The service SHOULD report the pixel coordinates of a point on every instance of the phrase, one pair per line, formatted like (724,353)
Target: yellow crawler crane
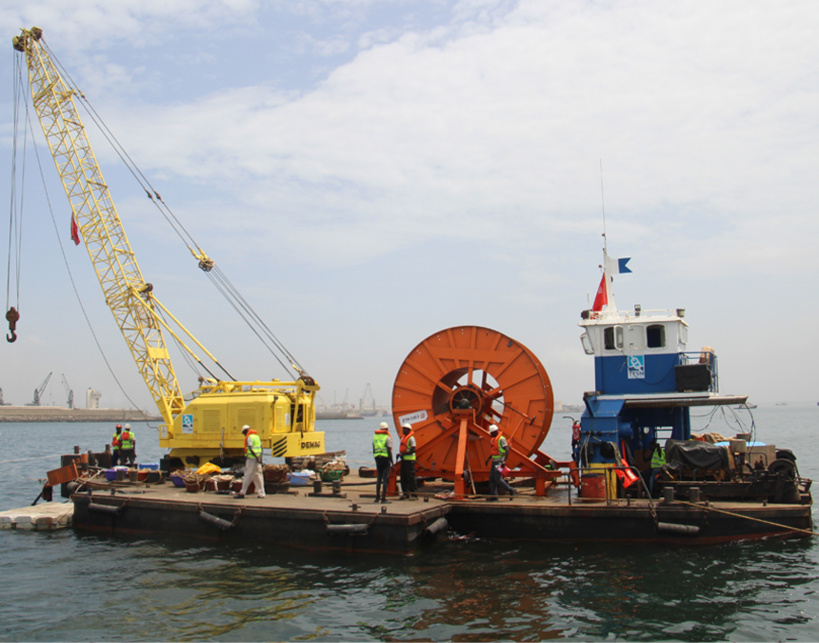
(209,426)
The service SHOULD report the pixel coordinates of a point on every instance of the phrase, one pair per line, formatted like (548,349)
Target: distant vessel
(338,413)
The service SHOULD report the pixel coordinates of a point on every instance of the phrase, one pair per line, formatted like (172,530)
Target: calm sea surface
(63,586)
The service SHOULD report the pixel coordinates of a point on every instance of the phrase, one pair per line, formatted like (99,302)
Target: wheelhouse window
(613,338)
(655,336)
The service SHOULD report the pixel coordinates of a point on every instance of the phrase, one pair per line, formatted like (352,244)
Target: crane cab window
(613,338)
(655,336)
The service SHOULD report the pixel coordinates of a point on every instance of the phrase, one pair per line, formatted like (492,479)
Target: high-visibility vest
(657,458)
(404,448)
(115,442)
(253,445)
(126,440)
(380,444)
(499,449)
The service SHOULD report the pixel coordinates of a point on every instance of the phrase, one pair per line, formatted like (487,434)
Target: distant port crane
(69,393)
(38,392)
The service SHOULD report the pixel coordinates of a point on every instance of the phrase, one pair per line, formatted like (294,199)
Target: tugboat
(637,419)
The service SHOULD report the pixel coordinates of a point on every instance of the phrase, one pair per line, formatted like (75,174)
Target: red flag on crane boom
(75,230)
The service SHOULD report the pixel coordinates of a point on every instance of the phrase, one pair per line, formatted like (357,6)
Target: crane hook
(12,316)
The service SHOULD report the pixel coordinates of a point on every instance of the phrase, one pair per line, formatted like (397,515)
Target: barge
(345,516)
(637,472)
(478,403)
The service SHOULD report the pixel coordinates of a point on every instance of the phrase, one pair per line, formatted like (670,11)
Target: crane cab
(211,424)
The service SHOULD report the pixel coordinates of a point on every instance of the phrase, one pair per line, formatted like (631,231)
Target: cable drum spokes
(478,374)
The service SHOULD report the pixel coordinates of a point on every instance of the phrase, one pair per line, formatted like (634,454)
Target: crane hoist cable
(237,301)
(13,266)
(126,159)
(32,130)
(65,260)
(207,264)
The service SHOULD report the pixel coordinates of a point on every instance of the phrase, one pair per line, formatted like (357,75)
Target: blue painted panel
(635,374)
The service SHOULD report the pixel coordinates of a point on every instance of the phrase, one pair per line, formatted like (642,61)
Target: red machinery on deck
(456,383)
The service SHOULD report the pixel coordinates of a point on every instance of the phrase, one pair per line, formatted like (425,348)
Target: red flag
(75,230)
(602,298)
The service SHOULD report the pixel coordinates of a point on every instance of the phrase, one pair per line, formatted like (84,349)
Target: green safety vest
(253,446)
(657,458)
(115,442)
(380,445)
(126,440)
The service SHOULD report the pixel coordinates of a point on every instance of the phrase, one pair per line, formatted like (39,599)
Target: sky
(370,172)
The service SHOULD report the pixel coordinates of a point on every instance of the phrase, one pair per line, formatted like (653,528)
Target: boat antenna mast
(605,293)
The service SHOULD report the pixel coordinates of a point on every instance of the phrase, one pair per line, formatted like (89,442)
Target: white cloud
(469,142)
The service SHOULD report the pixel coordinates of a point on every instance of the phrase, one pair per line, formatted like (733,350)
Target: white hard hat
(493,428)
(383,425)
(245,428)
(127,427)
(406,425)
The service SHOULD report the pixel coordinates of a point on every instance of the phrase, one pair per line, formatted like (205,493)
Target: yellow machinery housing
(209,426)
(281,412)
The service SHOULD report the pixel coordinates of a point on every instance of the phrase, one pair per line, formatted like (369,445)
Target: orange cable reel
(457,382)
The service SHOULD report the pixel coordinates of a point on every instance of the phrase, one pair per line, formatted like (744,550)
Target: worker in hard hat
(253,463)
(406,451)
(115,445)
(382,451)
(127,446)
(499,448)
(657,463)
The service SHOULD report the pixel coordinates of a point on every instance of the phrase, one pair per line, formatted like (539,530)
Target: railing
(706,357)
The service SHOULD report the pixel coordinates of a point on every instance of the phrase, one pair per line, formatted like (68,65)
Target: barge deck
(350,520)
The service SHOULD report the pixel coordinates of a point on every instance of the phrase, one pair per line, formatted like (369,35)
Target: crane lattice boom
(209,426)
(125,290)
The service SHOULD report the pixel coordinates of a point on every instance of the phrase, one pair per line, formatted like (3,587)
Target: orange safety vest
(404,447)
(115,442)
(498,452)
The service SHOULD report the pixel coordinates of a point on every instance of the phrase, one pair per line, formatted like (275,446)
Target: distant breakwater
(63,414)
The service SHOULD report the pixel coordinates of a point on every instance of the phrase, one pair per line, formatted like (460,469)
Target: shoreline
(63,414)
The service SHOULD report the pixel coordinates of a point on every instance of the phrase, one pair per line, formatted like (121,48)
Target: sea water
(67,586)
